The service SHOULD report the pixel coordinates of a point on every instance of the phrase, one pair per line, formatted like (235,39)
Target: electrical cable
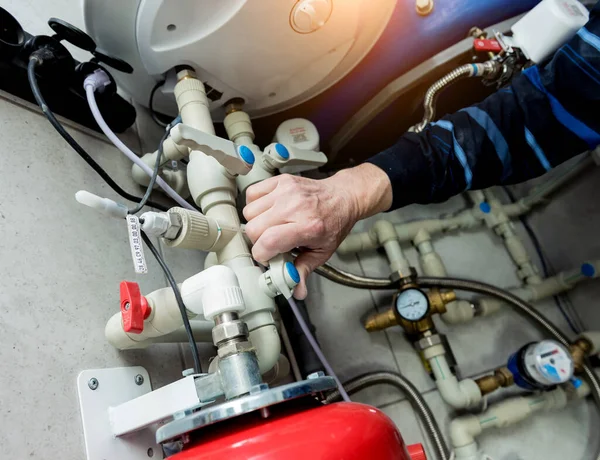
(91,98)
(316,348)
(180,304)
(541,256)
(150,187)
(412,393)
(153,113)
(37,94)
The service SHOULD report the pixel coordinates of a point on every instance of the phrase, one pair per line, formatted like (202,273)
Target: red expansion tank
(341,431)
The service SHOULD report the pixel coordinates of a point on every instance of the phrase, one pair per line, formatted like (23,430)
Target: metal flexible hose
(355,281)
(411,392)
(465,71)
(525,308)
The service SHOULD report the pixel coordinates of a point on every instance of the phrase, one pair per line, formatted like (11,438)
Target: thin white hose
(91,98)
(315,346)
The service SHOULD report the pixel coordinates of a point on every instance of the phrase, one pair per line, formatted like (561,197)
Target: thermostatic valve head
(281,277)
(541,365)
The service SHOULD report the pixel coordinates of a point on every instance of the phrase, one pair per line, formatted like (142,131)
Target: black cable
(538,249)
(146,196)
(153,113)
(180,304)
(33,63)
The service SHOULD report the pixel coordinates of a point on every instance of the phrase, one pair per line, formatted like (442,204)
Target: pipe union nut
(234,348)
(404,277)
(174,228)
(229,330)
(428,342)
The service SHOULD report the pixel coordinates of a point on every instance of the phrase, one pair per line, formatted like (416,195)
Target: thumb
(305,264)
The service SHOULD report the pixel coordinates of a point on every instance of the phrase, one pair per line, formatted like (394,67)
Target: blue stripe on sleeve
(577,127)
(529,137)
(458,151)
(589,38)
(495,136)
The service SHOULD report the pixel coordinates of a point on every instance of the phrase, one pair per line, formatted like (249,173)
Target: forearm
(547,115)
(367,187)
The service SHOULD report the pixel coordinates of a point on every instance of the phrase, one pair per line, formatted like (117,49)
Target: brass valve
(389,318)
(580,349)
(502,377)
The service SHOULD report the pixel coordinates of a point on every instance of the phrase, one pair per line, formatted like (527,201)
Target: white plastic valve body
(212,292)
(222,150)
(278,155)
(281,278)
(548,26)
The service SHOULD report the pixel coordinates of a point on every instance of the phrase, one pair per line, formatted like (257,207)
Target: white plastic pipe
(458,394)
(91,98)
(464,430)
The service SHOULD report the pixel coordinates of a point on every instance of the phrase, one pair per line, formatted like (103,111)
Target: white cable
(315,347)
(91,98)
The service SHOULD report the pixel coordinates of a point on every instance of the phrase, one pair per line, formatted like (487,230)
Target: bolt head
(316,375)
(187,372)
(127,306)
(139,379)
(93,383)
(424,7)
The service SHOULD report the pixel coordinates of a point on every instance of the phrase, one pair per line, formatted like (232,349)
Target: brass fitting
(234,105)
(502,377)
(438,300)
(389,318)
(580,349)
(381,321)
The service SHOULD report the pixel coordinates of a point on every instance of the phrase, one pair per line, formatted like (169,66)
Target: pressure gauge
(541,365)
(412,304)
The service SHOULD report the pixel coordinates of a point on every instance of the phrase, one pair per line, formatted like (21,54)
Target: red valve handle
(416,452)
(134,307)
(487,44)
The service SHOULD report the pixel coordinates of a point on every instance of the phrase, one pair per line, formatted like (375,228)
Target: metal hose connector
(486,69)
(355,281)
(523,307)
(413,395)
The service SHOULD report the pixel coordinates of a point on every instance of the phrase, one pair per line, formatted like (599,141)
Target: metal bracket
(100,389)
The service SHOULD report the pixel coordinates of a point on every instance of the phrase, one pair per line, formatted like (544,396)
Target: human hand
(287,212)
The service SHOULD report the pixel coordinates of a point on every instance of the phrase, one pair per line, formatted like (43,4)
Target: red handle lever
(134,307)
(487,44)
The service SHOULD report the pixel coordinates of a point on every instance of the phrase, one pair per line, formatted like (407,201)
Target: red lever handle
(134,307)
(487,44)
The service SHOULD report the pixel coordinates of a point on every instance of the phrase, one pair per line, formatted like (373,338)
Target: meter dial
(548,363)
(412,304)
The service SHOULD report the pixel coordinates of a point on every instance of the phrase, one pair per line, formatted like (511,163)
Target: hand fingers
(305,263)
(259,206)
(264,187)
(277,240)
(257,226)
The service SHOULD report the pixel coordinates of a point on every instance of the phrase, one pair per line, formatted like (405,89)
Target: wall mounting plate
(113,387)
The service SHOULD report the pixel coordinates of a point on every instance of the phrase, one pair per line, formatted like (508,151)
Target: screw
(93,383)
(150,452)
(424,7)
(316,375)
(139,379)
(127,306)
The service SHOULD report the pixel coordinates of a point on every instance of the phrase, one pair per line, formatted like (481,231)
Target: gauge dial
(549,363)
(412,304)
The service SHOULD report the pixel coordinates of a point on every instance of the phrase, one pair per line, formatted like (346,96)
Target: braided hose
(411,392)
(486,69)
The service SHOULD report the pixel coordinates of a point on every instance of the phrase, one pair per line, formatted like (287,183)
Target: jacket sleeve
(547,115)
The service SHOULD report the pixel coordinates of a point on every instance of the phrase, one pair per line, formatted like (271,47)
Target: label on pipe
(135,243)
